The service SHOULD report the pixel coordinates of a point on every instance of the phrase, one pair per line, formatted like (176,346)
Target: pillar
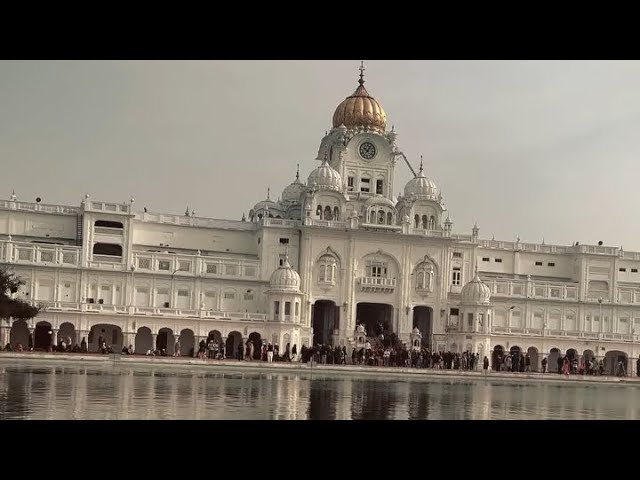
(223,347)
(31,337)
(154,337)
(5,335)
(54,338)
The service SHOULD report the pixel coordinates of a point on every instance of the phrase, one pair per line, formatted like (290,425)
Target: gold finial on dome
(360,109)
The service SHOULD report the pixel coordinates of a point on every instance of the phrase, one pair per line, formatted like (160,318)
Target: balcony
(99,309)
(46,255)
(577,335)
(377,284)
(326,223)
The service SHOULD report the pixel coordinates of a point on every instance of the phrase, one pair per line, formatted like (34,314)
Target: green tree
(12,307)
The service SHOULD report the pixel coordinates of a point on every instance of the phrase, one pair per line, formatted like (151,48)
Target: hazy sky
(536,149)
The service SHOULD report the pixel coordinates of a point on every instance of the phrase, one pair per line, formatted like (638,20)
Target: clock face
(367,151)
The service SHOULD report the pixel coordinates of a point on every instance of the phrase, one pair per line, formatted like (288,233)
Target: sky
(531,149)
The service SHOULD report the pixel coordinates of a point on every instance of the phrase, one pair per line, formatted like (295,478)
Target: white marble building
(357,251)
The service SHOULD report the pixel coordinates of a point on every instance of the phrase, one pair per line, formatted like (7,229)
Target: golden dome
(360,110)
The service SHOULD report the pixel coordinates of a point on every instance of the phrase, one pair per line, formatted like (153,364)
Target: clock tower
(360,148)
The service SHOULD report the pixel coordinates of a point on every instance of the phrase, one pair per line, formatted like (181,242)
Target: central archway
(612,361)
(187,343)
(165,341)
(144,341)
(377,319)
(256,339)
(423,321)
(326,318)
(234,339)
(552,360)
(42,336)
(67,333)
(533,359)
(497,357)
(19,335)
(111,334)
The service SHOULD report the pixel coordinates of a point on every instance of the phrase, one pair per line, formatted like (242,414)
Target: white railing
(195,221)
(326,223)
(376,281)
(22,252)
(151,311)
(91,205)
(199,265)
(564,334)
(39,207)
(522,288)
(109,231)
(279,222)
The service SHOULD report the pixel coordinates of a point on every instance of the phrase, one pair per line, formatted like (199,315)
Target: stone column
(154,337)
(5,335)
(32,337)
(223,346)
(54,338)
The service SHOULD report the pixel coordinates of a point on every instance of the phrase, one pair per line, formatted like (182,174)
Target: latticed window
(327,266)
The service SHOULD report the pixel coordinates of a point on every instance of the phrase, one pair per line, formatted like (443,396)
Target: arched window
(389,218)
(432,222)
(336,213)
(372,216)
(424,222)
(319,212)
(328,265)
(381,217)
(417,221)
(425,276)
(327,213)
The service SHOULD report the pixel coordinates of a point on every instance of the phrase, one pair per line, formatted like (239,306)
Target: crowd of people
(375,352)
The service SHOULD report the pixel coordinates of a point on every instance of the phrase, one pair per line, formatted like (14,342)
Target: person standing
(269,353)
(176,350)
(544,365)
(485,365)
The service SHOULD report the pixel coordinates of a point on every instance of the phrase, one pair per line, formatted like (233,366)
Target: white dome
(475,292)
(421,186)
(285,278)
(266,204)
(293,192)
(325,177)
(379,200)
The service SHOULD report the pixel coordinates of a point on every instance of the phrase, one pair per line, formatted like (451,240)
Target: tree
(12,307)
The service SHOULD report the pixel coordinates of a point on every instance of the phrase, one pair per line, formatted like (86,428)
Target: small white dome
(475,292)
(325,177)
(293,192)
(379,200)
(285,278)
(421,186)
(266,204)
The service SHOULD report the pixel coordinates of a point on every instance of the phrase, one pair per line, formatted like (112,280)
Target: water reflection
(77,391)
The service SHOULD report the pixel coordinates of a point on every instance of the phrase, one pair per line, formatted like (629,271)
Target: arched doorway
(143,340)
(326,318)
(256,339)
(214,335)
(572,353)
(42,336)
(516,358)
(165,341)
(423,321)
(612,361)
(534,359)
(111,334)
(497,357)
(19,335)
(187,343)
(377,319)
(552,360)
(587,356)
(67,332)
(234,339)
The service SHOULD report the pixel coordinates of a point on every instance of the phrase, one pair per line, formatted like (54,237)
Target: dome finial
(297,171)
(268,193)
(421,163)
(326,157)
(361,81)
